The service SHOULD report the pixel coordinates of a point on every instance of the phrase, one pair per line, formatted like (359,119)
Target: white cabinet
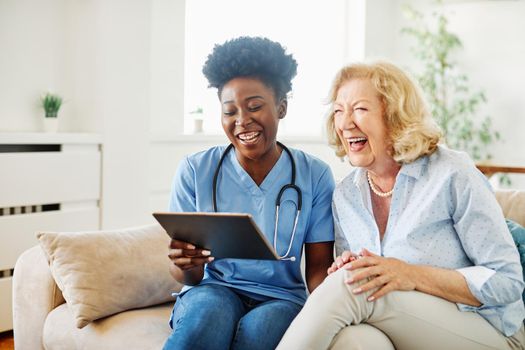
(47,182)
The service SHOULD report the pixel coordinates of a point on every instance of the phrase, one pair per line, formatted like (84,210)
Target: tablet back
(226,235)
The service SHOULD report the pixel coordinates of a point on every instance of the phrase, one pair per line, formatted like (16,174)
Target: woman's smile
(249,138)
(356,144)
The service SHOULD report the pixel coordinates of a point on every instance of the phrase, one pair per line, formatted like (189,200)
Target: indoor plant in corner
(51,104)
(454,105)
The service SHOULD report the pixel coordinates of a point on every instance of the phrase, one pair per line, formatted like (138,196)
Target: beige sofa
(42,319)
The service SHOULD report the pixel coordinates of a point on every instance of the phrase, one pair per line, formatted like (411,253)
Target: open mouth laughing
(249,137)
(356,143)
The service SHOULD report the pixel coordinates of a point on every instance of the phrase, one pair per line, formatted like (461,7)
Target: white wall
(32,57)
(122,98)
(167,66)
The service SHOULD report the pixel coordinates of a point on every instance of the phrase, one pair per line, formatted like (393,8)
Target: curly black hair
(255,57)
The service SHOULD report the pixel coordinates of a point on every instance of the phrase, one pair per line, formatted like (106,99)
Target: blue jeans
(217,317)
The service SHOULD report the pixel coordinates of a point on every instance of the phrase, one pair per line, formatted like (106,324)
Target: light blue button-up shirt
(237,192)
(443,213)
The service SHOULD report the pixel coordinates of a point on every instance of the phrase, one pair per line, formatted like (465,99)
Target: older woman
(425,258)
(249,304)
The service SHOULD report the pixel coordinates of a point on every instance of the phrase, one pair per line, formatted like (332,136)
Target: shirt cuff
(476,277)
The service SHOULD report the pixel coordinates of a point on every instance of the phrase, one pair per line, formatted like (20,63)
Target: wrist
(192,276)
(414,272)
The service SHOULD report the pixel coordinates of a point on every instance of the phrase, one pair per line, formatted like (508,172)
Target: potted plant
(51,104)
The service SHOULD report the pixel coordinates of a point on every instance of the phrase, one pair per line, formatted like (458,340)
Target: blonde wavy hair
(413,133)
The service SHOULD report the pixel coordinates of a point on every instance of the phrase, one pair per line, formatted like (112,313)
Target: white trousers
(334,317)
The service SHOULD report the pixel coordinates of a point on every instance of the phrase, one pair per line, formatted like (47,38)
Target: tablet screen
(226,235)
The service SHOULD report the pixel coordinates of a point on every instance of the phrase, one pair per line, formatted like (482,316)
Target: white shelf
(42,138)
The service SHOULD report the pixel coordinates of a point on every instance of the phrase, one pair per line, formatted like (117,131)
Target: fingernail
(357,290)
(206,252)
(370,299)
(350,280)
(211,258)
(190,246)
(348,266)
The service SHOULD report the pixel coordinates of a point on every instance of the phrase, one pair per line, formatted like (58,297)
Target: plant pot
(198,126)
(50,124)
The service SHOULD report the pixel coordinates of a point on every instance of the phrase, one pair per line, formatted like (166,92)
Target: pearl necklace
(376,190)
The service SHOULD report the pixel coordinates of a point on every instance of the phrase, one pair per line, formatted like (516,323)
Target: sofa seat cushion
(139,329)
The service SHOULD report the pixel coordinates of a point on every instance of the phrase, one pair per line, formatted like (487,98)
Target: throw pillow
(101,273)
(518,234)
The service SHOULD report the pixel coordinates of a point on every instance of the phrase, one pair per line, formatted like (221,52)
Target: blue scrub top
(237,192)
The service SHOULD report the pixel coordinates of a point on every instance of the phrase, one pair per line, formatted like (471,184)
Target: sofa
(116,284)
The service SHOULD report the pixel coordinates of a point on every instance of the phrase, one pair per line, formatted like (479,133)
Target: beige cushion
(102,273)
(512,203)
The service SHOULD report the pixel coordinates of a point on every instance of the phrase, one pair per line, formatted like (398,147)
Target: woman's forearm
(319,257)
(315,279)
(444,283)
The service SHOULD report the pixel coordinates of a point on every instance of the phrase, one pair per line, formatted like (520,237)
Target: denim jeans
(216,317)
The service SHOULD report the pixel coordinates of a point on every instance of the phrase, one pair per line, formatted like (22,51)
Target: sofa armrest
(35,294)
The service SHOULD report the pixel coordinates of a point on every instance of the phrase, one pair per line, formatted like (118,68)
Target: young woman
(248,304)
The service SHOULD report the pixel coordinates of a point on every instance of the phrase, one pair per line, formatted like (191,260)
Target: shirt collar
(416,168)
(359,177)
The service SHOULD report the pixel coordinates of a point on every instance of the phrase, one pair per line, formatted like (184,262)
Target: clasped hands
(385,274)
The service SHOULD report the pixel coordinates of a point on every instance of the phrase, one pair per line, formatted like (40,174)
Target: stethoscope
(291,185)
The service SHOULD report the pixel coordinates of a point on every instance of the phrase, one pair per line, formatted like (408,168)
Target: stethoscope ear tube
(299,195)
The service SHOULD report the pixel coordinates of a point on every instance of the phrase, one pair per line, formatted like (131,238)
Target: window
(314,32)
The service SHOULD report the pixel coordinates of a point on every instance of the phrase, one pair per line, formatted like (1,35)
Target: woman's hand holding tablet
(186,256)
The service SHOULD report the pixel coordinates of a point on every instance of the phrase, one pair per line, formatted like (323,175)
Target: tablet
(226,235)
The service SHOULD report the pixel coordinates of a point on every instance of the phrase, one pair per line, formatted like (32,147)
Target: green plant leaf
(51,104)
